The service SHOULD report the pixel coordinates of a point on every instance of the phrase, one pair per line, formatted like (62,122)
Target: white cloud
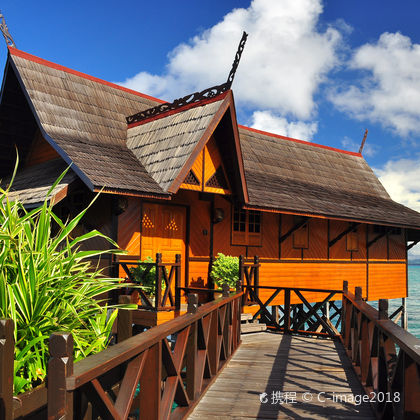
(267,121)
(389,92)
(401,179)
(285,59)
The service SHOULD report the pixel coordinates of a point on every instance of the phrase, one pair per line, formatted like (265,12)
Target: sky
(317,70)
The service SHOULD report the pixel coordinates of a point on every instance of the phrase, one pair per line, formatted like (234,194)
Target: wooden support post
(257,275)
(358,293)
(7,348)
(404,318)
(383,309)
(124,320)
(191,363)
(158,281)
(238,286)
(345,286)
(192,303)
(151,384)
(60,366)
(287,311)
(178,282)
(241,278)
(275,313)
(213,343)
(225,290)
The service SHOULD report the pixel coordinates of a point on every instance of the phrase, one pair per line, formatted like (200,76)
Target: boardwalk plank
(301,366)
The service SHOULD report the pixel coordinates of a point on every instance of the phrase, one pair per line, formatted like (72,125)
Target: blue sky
(311,69)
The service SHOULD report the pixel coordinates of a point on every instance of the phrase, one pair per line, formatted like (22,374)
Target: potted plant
(225,270)
(145,277)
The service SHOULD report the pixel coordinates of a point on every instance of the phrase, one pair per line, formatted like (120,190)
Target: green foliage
(145,277)
(225,270)
(48,285)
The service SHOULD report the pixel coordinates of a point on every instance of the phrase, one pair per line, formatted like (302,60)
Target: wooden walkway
(290,372)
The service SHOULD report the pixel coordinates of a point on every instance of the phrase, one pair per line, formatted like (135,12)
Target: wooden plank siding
(40,151)
(319,265)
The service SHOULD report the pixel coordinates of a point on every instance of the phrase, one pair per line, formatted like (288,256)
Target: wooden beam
(381,235)
(412,244)
(294,229)
(352,227)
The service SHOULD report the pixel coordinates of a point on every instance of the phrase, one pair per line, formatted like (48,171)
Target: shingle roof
(302,177)
(163,145)
(31,185)
(85,118)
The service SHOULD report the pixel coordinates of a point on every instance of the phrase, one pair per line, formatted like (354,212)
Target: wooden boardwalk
(291,371)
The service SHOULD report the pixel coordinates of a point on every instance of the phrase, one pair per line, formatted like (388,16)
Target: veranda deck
(302,377)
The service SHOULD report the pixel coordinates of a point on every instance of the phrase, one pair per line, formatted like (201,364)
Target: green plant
(47,284)
(225,270)
(145,276)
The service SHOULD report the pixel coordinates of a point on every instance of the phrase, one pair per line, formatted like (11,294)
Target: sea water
(413,301)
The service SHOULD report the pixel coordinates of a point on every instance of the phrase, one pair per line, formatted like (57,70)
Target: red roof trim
(300,141)
(181,109)
(35,59)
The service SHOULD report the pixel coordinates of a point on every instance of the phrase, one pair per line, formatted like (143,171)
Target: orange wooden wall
(285,265)
(40,151)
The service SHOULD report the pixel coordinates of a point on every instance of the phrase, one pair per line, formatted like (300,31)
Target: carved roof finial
(193,97)
(238,55)
(5,31)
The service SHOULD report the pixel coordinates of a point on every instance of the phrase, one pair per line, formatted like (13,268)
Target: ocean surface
(413,301)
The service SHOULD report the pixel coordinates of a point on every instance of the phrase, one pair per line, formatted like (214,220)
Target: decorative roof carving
(5,31)
(193,97)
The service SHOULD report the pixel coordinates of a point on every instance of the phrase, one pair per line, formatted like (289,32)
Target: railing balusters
(60,366)
(6,368)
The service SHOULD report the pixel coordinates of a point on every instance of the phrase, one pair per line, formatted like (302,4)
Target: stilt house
(186,179)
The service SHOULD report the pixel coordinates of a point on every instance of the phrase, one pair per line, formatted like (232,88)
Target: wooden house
(191,181)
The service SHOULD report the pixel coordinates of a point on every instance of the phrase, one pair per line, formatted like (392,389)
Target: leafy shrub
(225,270)
(47,285)
(145,277)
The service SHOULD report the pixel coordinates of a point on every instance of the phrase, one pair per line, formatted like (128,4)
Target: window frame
(250,236)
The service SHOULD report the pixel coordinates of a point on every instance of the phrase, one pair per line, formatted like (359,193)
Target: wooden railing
(249,275)
(384,355)
(161,373)
(166,274)
(320,318)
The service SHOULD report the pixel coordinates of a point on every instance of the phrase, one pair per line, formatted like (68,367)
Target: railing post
(287,311)
(344,308)
(60,366)
(225,290)
(383,308)
(192,370)
(124,320)
(210,281)
(241,278)
(192,303)
(257,275)
(178,281)
(358,293)
(7,350)
(158,280)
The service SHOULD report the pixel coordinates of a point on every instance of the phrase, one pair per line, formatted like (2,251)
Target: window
(352,241)
(246,227)
(301,235)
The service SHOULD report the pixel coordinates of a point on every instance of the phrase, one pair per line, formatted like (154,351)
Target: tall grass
(47,284)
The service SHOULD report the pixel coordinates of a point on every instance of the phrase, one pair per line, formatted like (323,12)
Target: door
(164,231)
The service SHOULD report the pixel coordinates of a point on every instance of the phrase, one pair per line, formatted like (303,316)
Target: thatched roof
(84,119)
(302,177)
(31,186)
(163,145)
